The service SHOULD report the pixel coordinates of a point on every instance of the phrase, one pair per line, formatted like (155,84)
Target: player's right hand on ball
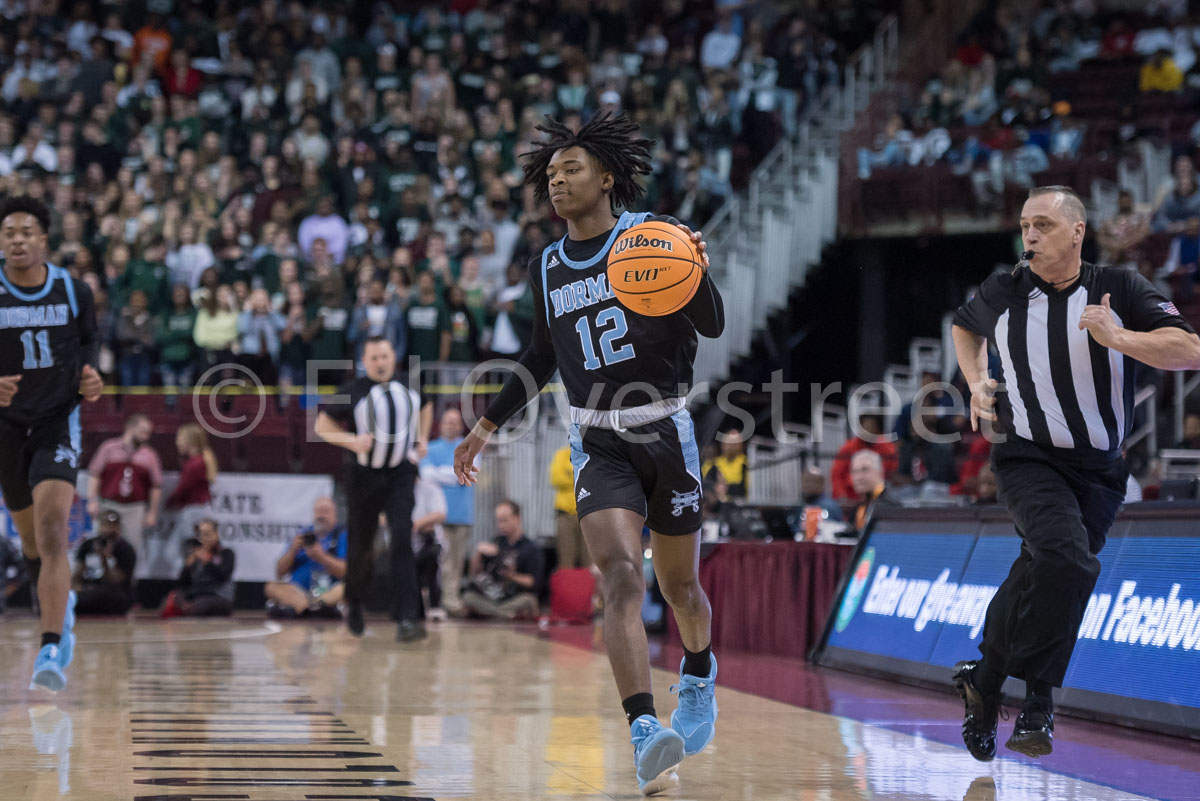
(983,402)
(8,388)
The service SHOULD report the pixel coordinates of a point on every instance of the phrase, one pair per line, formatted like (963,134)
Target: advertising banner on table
(915,601)
(258,514)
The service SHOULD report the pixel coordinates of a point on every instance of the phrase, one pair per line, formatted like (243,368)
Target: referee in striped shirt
(390,431)
(1069,335)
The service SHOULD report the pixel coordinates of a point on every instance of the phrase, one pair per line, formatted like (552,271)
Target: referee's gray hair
(1072,203)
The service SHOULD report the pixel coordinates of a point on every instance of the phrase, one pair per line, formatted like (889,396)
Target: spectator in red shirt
(1117,41)
(197,473)
(191,498)
(842,488)
(126,475)
(971,52)
(182,78)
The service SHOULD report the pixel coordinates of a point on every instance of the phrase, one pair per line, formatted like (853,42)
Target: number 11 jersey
(46,333)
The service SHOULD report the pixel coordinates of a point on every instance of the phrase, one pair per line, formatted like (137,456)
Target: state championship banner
(258,514)
(916,597)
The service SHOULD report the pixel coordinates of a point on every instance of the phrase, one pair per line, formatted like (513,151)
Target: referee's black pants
(390,491)
(1063,505)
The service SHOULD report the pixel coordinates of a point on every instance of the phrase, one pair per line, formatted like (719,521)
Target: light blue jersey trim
(41,293)
(626,221)
(65,277)
(579,458)
(545,288)
(687,443)
(76,432)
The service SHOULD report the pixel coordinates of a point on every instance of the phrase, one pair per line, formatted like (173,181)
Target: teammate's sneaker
(657,752)
(1033,733)
(696,718)
(47,672)
(66,646)
(981,715)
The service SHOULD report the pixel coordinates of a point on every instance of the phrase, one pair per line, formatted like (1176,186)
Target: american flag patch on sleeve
(1169,308)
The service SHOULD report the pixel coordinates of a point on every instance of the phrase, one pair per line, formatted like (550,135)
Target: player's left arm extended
(534,370)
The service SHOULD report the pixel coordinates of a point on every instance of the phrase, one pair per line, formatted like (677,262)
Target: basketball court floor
(242,709)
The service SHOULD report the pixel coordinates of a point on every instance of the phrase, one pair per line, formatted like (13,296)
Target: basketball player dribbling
(633,447)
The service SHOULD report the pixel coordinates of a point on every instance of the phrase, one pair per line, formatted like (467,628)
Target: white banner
(258,513)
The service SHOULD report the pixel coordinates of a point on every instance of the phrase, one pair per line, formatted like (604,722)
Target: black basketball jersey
(607,356)
(46,336)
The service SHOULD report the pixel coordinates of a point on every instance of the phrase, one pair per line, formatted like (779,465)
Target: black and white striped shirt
(1061,387)
(389,411)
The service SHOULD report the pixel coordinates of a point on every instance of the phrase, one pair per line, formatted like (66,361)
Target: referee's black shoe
(1033,733)
(354,618)
(410,631)
(981,715)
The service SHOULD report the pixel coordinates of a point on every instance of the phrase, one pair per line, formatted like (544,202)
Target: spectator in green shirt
(464,333)
(177,348)
(331,317)
(115,268)
(427,322)
(438,261)
(149,274)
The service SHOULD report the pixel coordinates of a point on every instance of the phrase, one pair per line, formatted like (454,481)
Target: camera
(309,539)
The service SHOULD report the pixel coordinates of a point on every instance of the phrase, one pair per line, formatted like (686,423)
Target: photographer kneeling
(311,569)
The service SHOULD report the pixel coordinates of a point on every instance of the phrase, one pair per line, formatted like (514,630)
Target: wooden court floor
(227,710)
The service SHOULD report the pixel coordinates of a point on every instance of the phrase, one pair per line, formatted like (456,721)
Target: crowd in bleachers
(276,181)
(1048,92)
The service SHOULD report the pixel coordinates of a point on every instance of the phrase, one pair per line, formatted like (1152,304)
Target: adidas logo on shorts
(583,493)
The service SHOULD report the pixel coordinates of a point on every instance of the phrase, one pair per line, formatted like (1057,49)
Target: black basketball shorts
(30,455)
(651,469)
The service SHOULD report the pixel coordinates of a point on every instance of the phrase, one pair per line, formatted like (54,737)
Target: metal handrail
(1149,430)
(1183,388)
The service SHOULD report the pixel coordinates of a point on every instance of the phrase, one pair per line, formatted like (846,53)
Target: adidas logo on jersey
(583,493)
(553,262)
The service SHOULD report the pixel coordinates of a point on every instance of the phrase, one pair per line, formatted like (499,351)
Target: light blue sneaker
(47,673)
(657,752)
(696,718)
(66,646)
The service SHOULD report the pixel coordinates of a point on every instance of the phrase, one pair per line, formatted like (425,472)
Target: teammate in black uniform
(632,444)
(47,357)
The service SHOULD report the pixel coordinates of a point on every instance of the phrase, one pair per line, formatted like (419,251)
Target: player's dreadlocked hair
(17,204)
(608,139)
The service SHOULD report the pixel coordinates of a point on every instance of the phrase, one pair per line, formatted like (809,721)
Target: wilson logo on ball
(640,241)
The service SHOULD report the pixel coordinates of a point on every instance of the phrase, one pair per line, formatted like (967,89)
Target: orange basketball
(654,269)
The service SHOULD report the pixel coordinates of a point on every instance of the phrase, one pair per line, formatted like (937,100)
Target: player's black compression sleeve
(706,310)
(538,361)
(89,340)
